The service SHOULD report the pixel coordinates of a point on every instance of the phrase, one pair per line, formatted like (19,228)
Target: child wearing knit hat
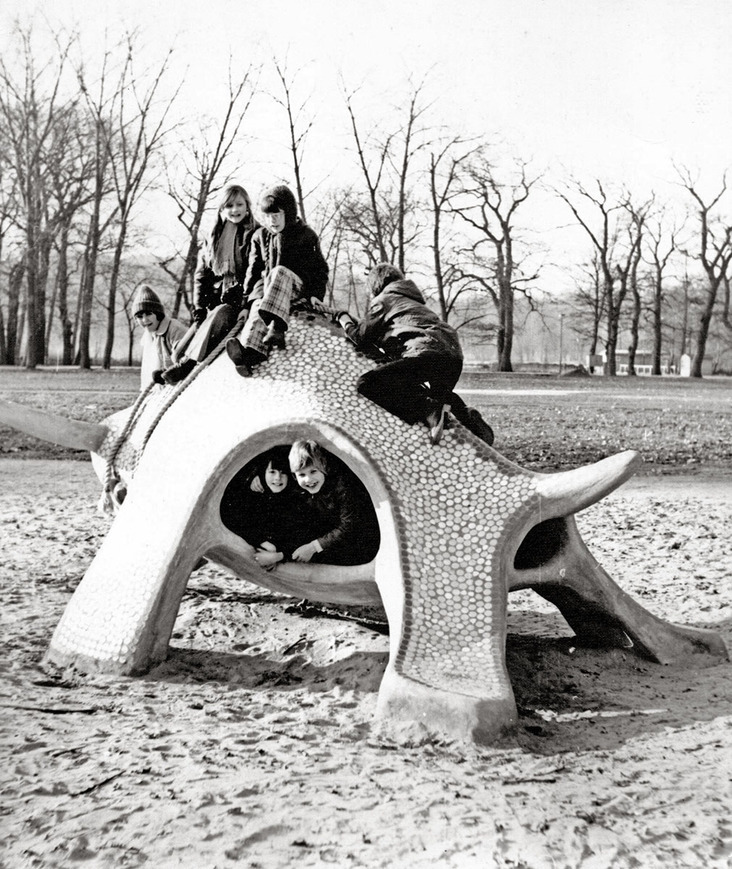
(160,335)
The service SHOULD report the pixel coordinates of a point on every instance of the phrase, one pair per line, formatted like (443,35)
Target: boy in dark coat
(285,265)
(423,356)
(334,507)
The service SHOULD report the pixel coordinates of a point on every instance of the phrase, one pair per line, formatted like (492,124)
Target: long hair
(230,192)
(304,453)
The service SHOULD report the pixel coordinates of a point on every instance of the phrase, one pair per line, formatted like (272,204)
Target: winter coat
(399,322)
(208,289)
(342,518)
(297,248)
(264,516)
(158,348)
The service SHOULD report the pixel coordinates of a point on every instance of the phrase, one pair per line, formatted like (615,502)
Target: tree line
(87,144)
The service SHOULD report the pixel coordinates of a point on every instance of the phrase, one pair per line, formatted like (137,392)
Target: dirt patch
(253,744)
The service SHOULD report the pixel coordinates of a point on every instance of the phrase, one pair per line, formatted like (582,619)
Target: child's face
(274,221)
(148,320)
(235,210)
(310,478)
(276,480)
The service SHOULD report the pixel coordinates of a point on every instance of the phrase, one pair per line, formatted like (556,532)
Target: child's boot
(436,422)
(474,422)
(275,337)
(243,358)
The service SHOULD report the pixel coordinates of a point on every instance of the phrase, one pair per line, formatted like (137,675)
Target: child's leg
(281,287)
(273,307)
(398,387)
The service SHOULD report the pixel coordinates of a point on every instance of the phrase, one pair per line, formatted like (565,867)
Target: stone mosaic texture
(452,517)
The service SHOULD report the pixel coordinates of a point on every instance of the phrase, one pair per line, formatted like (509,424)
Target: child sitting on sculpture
(218,281)
(160,338)
(335,509)
(260,506)
(422,357)
(285,265)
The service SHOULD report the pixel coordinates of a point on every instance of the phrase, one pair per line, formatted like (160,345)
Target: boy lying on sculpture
(422,357)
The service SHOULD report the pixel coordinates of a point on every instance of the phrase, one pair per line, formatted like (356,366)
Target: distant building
(643,363)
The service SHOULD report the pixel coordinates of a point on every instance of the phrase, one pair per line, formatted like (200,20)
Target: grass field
(541,422)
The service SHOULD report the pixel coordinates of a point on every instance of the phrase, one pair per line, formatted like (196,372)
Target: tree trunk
(12,330)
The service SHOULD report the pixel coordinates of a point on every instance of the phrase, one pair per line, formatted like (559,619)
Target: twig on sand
(52,710)
(96,785)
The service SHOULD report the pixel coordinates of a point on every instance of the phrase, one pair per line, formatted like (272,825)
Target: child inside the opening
(285,265)
(260,506)
(335,509)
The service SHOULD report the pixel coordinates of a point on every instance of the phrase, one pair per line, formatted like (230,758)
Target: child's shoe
(178,372)
(243,358)
(235,352)
(436,422)
(275,337)
(478,426)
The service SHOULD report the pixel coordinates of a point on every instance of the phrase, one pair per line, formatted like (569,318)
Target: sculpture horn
(52,427)
(569,492)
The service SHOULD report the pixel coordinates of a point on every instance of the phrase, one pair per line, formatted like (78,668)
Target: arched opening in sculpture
(283,518)
(363,583)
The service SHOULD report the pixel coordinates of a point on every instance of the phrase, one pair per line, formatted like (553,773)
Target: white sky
(606,88)
(596,82)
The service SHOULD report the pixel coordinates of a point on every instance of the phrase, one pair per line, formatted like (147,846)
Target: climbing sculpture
(460,527)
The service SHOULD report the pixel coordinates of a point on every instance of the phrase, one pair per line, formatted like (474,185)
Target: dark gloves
(199,315)
(233,296)
(157,377)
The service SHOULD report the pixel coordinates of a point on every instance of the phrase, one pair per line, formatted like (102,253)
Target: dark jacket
(297,248)
(207,284)
(342,518)
(400,323)
(265,516)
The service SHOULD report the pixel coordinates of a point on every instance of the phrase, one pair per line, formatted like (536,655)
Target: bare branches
(297,133)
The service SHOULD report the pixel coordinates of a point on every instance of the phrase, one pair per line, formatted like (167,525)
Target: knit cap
(147,300)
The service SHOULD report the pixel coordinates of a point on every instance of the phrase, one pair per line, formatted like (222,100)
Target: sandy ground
(253,745)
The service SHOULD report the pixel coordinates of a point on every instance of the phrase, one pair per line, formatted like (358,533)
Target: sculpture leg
(555,562)
(446,667)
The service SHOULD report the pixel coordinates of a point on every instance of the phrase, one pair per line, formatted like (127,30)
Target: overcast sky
(601,88)
(619,84)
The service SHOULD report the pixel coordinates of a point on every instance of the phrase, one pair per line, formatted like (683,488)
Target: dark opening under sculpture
(460,526)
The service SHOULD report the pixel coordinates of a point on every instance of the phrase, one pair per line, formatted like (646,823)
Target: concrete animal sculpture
(460,527)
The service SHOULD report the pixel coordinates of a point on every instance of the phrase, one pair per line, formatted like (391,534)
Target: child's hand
(267,559)
(256,486)
(306,551)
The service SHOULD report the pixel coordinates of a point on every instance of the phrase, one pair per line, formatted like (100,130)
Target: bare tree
(606,220)
(30,107)
(628,275)
(135,134)
(590,302)
(714,253)
(386,163)
(372,176)
(488,205)
(660,246)
(443,176)
(298,131)
(203,164)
